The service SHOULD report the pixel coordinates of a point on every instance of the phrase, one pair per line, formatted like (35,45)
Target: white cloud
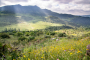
(76,7)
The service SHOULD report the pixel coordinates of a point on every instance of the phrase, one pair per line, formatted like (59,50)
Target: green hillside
(17,13)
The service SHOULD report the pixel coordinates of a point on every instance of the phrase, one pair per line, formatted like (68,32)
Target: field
(47,46)
(30,26)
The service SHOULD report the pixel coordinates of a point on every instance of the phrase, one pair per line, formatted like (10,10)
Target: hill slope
(34,13)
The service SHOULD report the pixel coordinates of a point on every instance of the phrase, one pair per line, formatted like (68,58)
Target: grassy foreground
(71,47)
(58,50)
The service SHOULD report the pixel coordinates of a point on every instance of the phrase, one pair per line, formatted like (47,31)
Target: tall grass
(58,50)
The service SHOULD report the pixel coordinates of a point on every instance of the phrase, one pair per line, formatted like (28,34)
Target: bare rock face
(88,50)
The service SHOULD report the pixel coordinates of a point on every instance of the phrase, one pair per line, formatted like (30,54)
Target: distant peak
(18,4)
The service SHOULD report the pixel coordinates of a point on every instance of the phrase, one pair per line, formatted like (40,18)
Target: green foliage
(4,35)
(47,36)
(22,38)
(48,33)
(27,33)
(39,33)
(7,52)
(53,28)
(85,35)
(14,31)
(23,31)
(11,33)
(14,54)
(32,33)
(3,49)
(19,33)
(62,35)
(52,33)
(31,38)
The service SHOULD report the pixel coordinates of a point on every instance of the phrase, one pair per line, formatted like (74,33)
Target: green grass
(30,26)
(59,48)
(63,49)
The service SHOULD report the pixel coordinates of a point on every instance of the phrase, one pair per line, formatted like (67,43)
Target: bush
(31,38)
(8,53)
(62,35)
(39,33)
(19,33)
(85,35)
(3,49)
(4,35)
(10,33)
(27,33)
(14,31)
(52,33)
(47,33)
(32,33)
(22,38)
(47,36)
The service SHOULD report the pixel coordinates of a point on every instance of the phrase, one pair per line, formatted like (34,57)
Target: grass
(59,48)
(74,32)
(30,26)
(62,50)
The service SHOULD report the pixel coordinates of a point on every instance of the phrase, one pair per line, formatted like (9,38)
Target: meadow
(64,44)
(30,26)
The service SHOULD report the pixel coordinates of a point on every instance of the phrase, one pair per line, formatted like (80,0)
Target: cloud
(79,12)
(75,7)
(12,2)
(16,0)
(63,1)
(45,0)
(83,2)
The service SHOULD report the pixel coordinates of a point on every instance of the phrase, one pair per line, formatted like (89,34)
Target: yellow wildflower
(87,49)
(70,53)
(14,59)
(24,56)
(29,52)
(28,59)
(41,57)
(78,51)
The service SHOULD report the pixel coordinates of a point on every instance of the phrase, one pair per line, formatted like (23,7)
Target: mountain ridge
(36,11)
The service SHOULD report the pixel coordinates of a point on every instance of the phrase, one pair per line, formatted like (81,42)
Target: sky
(74,7)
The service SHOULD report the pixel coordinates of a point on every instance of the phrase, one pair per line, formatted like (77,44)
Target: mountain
(35,13)
(86,15)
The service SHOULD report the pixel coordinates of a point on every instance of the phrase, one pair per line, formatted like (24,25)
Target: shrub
(52,33)
(62,35)
(23,31)
(14,31)
(32,33)
(27,33)
(4,35)
(19,33)
(22,38)
(10,33)
(85,35)
(47,36)
(31,38)
(39,33)
(3,49)
(47,33)
(7,51)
